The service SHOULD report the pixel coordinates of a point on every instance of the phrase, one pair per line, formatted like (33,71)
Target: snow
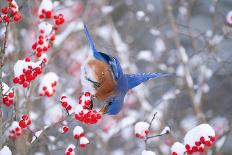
(46,27)
(107,9)
(140,15)
(159,45)
(72,147)
(46,5)
(37,134)
(145,55)
(53,114)
(229,17)
(78,130)
(84,140)
(141,128)
(5,88)
(202,130)
(178,148)
(166,130)
(183,55)
(48,81)
(145,152)
(5,151)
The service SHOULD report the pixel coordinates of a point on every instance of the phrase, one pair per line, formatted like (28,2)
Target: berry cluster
(14,130)
(85,100)
(48,84)
(88,116)
(65,104)
(70,150)
(47,30)
(45,10)
(141,129)
(59,20)
(8,95)
(199,145)
(27,71)
(45,39)
(10,12)
(78,134)
(24,122)
(195,140)
(84,113)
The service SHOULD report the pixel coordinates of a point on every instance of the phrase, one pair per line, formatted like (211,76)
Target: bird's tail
(136,79)
(96,54)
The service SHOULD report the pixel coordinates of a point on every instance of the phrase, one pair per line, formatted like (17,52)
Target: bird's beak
(104,109)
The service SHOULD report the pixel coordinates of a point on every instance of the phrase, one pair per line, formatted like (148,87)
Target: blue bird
(102,75)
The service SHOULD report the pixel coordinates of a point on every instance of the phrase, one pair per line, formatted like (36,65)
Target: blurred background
(190,38)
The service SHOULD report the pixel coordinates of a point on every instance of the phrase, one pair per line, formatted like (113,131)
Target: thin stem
(2,56)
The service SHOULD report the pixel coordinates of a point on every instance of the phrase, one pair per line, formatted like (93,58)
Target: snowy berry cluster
(14,130)
(141,129)
(84,112)
(44,40)
(78,134)
(195,140)
(47,30)
(24,122)
(48,84)
(8,95)
(65,104)
(26,71)
(70,150)
(10,12)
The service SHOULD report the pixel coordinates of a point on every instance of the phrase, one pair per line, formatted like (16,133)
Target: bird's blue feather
(134,80)
(114,65)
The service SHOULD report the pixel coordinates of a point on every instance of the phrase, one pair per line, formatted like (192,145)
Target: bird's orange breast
(104,76)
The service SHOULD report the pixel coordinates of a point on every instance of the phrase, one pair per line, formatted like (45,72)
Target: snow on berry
(70,150)
(26,71)
(178,149)
(85,101)
(84,112)
(48,84)
(24,122)
(141,129)
(83,142)
(14,130)
(5,151)
(65,104)
(45,39)
(196,140)
(10,12)
(166,130)
(64,129)
(78,132)
(45,9)
(229,18)
(8,95)
(145,152)
(46,28)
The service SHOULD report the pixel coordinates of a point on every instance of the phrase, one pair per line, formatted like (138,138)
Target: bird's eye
(110,103)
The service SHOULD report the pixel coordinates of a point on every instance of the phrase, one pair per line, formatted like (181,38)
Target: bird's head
(113,105)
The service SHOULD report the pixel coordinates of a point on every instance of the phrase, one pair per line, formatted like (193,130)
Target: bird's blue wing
(134,80)
(114,65)
(96,54)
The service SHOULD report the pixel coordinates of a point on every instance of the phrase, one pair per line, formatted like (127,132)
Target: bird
(102,76)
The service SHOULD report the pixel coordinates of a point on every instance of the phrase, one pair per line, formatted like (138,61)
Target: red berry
(17,17)
(22,124)
(65,129)
(27,59)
